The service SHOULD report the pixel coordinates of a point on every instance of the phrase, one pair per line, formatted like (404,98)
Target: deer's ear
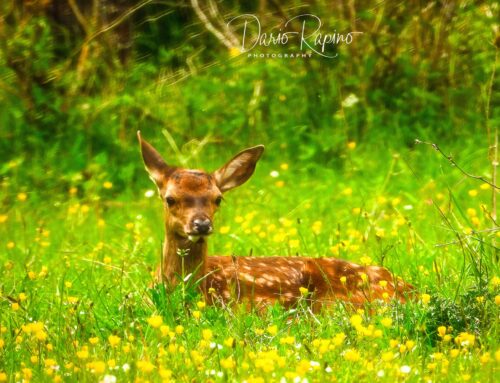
(155,165)
(238,169)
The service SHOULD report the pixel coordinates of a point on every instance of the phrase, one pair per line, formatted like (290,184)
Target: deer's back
(263,280)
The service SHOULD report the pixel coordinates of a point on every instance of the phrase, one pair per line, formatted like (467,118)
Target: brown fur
(270,279)
(190,195)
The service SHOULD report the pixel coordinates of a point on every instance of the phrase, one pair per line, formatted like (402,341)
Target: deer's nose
(202,226)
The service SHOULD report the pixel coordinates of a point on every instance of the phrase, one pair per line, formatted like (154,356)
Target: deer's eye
(170,201)
(218,200)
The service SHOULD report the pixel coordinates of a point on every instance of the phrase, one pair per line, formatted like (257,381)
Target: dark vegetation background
(78,78)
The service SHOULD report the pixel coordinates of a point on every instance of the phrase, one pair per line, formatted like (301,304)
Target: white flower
(408,207)
(149,193)
(405,369)
(126,367)
(351,100)
(381,373)
(274,174)
(108,379)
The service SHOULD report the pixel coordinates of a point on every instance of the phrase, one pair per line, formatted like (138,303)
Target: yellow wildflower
(394,343)
(366,261)
(484,186)
(114,340)
(83,353)
(272,330)
(287,340)
(316,227)
(145,366)
(473,192)
(347,191)
(410,344)
(441,331)
(224,229)
(387,356)
(155,321)
(425,299)
(485,358)
(27,374)
(386,322)
(356,320)
(229,342)
(465,339)
(352,355)
(207,334)
(227,363)
(97,367)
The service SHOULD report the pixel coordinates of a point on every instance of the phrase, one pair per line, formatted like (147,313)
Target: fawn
(192,197)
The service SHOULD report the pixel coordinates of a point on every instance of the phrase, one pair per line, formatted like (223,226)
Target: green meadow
(350,171)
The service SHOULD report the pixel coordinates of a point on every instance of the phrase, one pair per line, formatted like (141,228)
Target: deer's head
(191,197)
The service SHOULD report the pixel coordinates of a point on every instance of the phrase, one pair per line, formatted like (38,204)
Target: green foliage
(80,234)
(414,74)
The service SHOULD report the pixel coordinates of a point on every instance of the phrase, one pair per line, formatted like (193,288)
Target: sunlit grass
(76,267)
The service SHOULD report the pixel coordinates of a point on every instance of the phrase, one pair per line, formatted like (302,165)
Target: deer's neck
(182,257)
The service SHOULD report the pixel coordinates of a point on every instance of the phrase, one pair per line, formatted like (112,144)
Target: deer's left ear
(239,169)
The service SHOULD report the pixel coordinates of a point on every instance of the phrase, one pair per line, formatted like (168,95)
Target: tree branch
(453,163)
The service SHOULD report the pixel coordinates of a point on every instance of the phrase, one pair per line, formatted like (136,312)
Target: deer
(191,197)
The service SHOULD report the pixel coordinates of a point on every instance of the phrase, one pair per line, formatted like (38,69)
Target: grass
(76,266)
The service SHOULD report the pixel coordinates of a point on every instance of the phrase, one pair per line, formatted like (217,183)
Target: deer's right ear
(155,165)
